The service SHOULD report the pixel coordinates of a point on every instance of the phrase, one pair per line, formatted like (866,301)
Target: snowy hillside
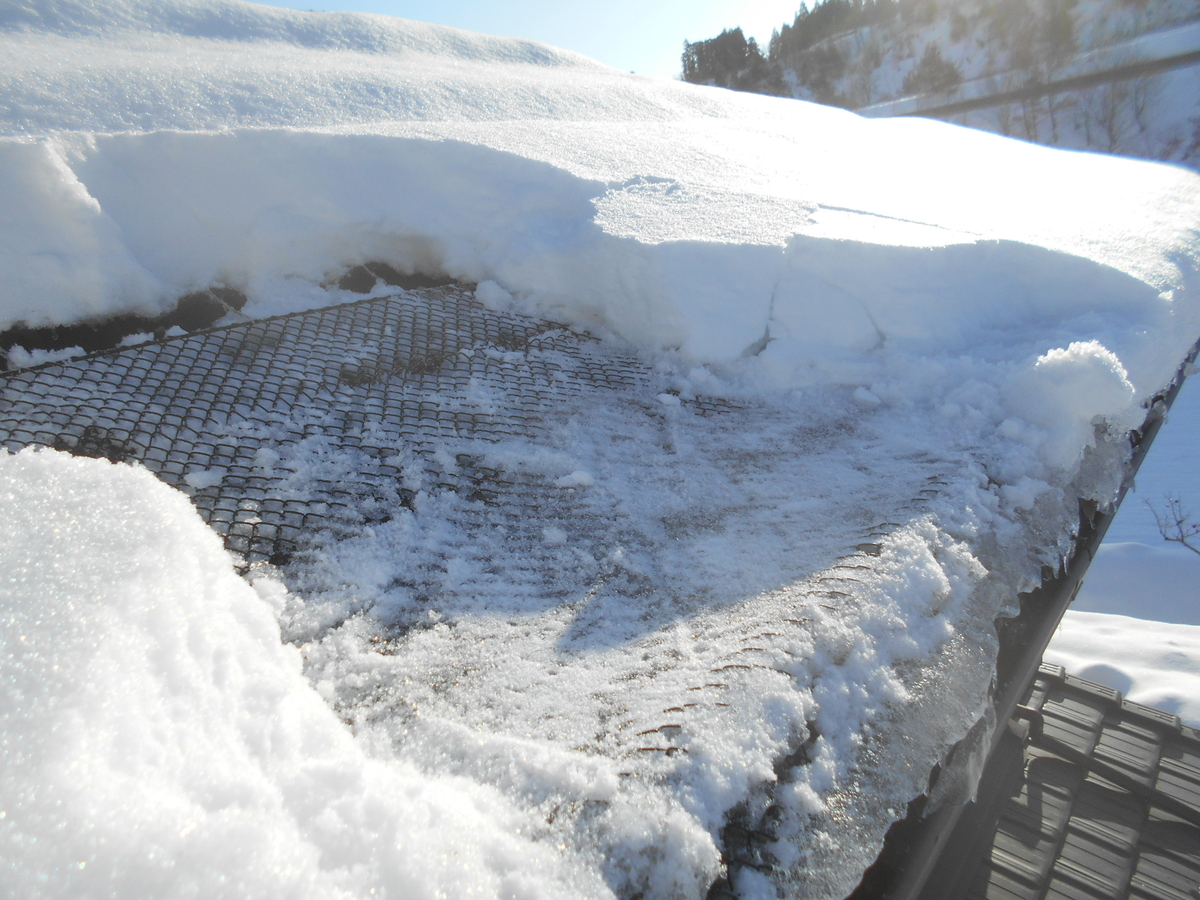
(903,57)
(813,427)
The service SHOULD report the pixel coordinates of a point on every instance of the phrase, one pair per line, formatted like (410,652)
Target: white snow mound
(160,740)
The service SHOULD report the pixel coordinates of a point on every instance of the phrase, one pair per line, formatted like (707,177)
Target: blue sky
(635,35)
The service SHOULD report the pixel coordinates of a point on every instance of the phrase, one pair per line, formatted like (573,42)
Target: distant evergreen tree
(818,68)
(733,61)
(730,60)
(806,50)
(825,20)
(934,74)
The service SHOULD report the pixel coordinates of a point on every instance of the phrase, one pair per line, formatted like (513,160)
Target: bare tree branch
(1174,523)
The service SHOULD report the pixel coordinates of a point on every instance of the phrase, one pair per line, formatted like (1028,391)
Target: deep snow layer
(904,285)
(678,216)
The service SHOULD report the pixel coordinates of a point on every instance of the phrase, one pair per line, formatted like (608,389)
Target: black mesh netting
(219,414)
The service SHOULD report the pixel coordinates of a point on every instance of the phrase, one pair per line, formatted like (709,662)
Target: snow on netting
(229,415)
(500,523)
(209,413)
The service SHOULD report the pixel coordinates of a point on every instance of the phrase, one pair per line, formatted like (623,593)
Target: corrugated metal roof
(1088,796)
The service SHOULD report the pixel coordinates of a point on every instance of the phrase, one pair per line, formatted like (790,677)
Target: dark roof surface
(1088,796)
(169,403)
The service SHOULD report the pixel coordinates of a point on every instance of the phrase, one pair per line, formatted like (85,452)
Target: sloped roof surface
(294,432)
(558,567)
(1096,805)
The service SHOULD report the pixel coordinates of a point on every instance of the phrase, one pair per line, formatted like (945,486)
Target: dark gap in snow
(362,279)
(97,443)
(750,827)
(193,312)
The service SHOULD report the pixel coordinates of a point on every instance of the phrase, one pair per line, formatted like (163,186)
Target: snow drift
(910,304)
(159,739)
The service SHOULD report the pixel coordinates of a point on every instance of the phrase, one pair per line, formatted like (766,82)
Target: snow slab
(152,148)
(909,303)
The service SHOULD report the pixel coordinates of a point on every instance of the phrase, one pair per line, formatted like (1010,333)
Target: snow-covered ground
(1135,625)
(937,341)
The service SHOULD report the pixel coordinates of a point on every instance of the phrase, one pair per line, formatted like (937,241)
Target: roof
(433,426)
(231,416)
(1088,796)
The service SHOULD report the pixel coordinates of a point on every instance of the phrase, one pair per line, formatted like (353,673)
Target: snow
(933,342)
(578,478)
(1135,625)
(20,358)
(161,740)
(589,193)
(202,478)
(1150,662)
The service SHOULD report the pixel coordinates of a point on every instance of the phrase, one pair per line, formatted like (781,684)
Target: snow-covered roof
(824,396)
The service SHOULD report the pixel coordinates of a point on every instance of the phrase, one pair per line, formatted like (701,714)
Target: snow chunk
(492,295)
(203,478)
(157,732)
(1023,494)
(20,358)
(578,478)
(865,398)
(1067,392)
(552,534)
